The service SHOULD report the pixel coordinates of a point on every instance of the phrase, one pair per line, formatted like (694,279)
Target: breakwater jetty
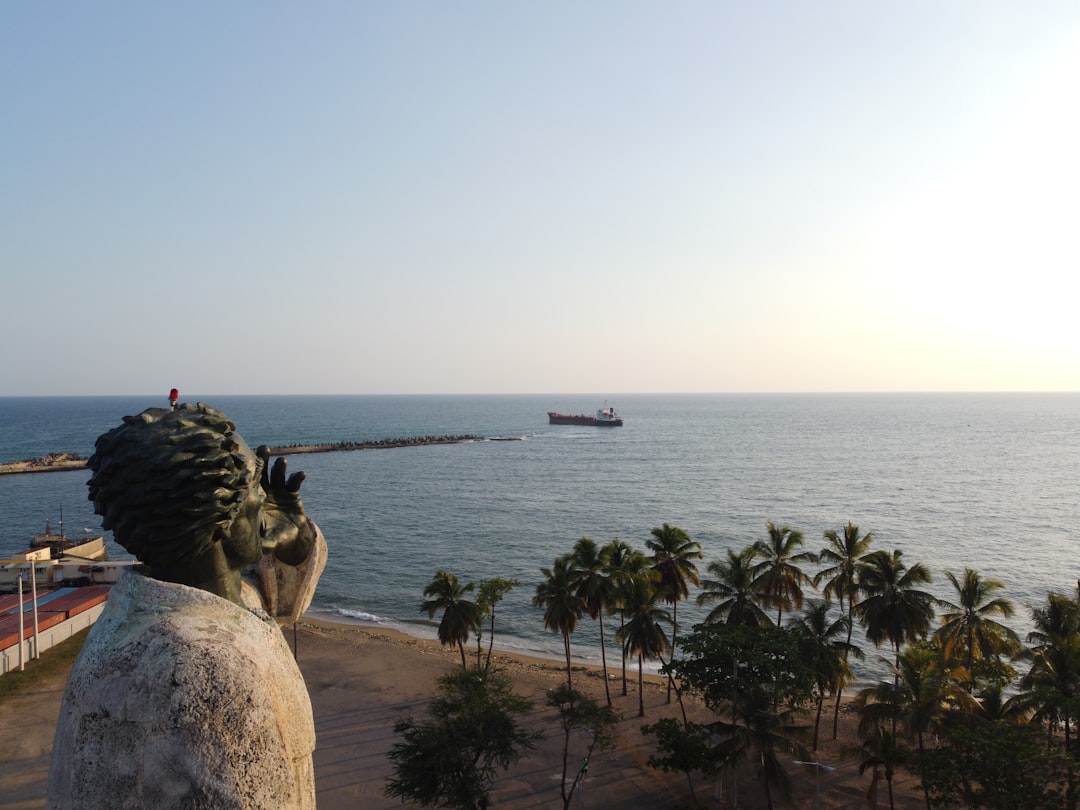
(58,462)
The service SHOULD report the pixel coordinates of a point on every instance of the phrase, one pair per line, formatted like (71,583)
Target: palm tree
(594,588)
(822,640)
(562,607)
(758,728)
(893,608)
(491,592)
(778,577)
(842,581)
(460,615)
(733,587)
(1051,688)
(643,633)
(673,555)
(624,563)
(927,689)
(882,752)
(968,625)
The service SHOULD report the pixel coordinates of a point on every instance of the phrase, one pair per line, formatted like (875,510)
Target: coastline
(362,679)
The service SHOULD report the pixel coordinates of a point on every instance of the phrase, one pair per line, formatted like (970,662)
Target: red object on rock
(173,396)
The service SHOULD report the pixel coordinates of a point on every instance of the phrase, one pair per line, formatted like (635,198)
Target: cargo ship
(605,417)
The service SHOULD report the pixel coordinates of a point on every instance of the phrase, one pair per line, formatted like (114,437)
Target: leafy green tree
(562,606)
(724,662)
(760,677)
(778,578)
(471,733)
(595,589)
(682,748)
(673,558)
(994,766)
(580,713)
(488,595)
(732,585)
(823,644)
(893,608)
(624,564)
(643,634)
(968,622)
(460,615)
(842,557)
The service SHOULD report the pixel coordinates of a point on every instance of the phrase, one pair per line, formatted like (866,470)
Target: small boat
(91,547)
(605,417)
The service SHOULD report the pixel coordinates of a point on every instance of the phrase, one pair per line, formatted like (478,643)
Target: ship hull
(582,419)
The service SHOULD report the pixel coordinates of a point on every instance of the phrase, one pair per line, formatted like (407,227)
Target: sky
(511,197)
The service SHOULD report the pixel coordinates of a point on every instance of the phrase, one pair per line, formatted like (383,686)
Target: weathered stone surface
(182,699)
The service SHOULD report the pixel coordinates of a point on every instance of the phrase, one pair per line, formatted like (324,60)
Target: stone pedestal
(182,699)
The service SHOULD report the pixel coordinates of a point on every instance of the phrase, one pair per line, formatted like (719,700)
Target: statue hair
(170,482)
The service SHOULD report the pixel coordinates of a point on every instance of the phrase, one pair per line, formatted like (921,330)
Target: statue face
(243,544)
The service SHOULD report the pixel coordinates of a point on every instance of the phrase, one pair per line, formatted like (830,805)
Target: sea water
(989,481)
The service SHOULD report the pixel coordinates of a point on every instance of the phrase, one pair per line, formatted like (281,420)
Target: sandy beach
(362,679)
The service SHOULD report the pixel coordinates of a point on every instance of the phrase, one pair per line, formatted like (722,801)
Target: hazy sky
(609,197)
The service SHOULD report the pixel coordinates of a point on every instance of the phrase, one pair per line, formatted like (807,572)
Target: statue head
(180,490)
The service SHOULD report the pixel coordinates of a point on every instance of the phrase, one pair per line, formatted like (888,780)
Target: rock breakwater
(56,462)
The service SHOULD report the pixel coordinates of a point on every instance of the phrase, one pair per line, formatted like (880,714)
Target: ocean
(989,481)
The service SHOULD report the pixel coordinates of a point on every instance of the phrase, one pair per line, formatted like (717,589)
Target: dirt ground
(362,680)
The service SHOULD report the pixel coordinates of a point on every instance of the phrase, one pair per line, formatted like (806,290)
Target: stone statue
(185,694)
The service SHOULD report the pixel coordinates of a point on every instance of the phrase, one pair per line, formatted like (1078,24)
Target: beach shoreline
(362,679)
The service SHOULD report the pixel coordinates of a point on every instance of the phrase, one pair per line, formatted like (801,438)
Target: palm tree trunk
(768,788)
(817,720)
(622,624)
(678,694)
(562,785)
(491,640)
(566,646)
(1071,786)
(840,688)
(836,713)
(640,688)
(674,630)
(922,752)
(461,649)
(603,658)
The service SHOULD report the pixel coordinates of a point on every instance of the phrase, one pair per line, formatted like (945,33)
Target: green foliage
(673,556)
(734,588)
(488,595)
(595,589)
(728,663)
(894,609)
(461,616)
(982,642)
(562,606)
(471,733)
(994,766)
(778,579)
(758,675)
(682,748)
(642,632)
